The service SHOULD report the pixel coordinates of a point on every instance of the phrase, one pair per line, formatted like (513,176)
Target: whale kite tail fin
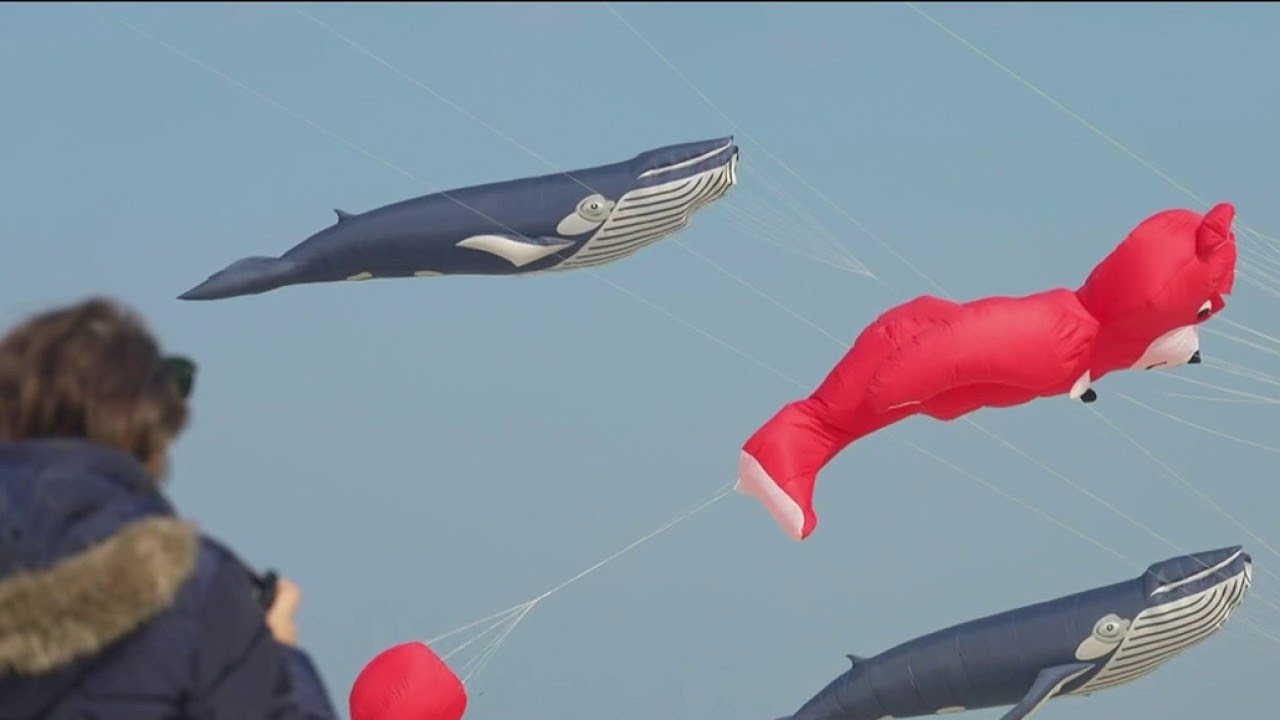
(779,464)
(247,276)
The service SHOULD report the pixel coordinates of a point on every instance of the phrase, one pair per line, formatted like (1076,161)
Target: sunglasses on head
(181,370)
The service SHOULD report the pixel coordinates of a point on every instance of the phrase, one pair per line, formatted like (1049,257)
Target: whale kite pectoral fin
(1047,684)
(516,250)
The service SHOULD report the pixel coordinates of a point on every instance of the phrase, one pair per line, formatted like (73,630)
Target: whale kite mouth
(696,156)
(1204,571)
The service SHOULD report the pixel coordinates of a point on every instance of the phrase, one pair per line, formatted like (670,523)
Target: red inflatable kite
(407,682)
(1138,309)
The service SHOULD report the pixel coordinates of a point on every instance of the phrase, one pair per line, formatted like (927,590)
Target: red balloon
(407,682)
(1138,309)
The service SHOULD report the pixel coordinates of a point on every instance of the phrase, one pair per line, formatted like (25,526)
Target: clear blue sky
(418,454)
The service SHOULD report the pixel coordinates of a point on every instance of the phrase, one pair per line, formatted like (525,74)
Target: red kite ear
(1215,229)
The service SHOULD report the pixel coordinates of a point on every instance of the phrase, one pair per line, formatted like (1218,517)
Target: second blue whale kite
(1074,645)
(562,221)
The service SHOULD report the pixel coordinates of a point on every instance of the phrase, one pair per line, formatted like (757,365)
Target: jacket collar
(89,552)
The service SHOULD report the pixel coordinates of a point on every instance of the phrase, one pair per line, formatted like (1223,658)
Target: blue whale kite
(1075,645)
(562,221)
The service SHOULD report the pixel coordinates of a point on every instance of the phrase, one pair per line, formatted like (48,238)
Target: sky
(419,454)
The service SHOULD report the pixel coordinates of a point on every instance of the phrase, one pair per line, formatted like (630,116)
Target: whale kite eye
(1109,629)
(1205,310)
(594,208)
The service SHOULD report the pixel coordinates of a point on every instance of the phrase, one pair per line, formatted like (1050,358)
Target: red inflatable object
(407,682)
(1138,309)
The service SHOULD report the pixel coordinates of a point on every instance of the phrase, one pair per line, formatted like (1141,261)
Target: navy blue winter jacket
(112,608)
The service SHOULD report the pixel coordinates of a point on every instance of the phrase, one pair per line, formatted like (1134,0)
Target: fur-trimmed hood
(89,552)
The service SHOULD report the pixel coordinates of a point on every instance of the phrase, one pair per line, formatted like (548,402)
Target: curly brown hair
(91,370)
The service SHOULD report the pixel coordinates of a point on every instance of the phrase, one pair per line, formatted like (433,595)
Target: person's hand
(280,615)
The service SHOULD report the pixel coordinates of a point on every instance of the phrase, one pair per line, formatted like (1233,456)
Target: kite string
(504,620)
(492,650)
(1268,264)
(499,616)
(1118,512)
(1257,272)
(1251,331)
(1069,528)
(723,492)
(1032,87)
(1244,371)
(768,153)
(1230,391)
(750,221)
(1197,426)
(742,222)
(1254,276)
(777,303)
(1230,401)
(776,188)
(1242,341)
(1023,503)
(1191,487)
(1258,631)
(1226,400)
(519,612)
(1257,236)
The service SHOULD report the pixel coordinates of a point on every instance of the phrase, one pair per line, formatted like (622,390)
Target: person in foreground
(110,605)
